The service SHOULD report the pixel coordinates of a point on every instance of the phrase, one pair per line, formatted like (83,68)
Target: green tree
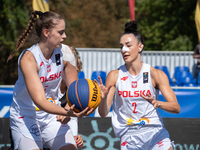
(92,23)
(89,23)
(167,24)
(13,16)
(164,24)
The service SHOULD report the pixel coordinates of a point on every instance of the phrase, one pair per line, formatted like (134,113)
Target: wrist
(159,104)
(66,111)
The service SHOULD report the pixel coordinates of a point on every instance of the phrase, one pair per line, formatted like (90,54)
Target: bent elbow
(102,115)
(178,109)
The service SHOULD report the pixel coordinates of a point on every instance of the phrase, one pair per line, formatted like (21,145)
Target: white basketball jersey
(130,110)
(50,74)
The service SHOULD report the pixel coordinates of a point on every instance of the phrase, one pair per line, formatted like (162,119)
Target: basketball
(83,93)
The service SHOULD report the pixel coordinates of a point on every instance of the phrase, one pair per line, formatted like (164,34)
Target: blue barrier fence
(188,98)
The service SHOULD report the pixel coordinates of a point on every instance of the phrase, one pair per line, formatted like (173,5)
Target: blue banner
(6,96)
(189,100)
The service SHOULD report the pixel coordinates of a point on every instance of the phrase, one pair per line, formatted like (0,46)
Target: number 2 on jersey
(135,105)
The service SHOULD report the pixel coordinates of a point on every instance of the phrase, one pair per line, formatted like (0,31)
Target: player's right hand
(85,112)
(72,113)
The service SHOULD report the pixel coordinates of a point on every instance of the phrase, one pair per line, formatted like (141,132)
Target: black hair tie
(39,13)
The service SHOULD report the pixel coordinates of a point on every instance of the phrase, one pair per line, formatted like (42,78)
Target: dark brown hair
(45,20)
(131,28)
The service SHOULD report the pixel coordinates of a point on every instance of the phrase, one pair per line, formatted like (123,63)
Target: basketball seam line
(89,94)
(78,96)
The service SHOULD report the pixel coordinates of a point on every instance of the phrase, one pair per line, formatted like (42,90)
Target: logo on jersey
(160,143)
(21,117)
(51,77)
(57,59)
(34,130)
(124,78)
(145,77)
(124,143)
(142,121)
(133,93)
(42,63)
(48,68)
(134,84)
(45,87)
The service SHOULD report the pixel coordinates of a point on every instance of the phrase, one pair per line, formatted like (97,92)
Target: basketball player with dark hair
(133,90)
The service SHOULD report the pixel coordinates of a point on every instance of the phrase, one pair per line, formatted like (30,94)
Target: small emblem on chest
(42,63)
(57,59)
(49,68)
(134,84)
(145,77)
(124,78)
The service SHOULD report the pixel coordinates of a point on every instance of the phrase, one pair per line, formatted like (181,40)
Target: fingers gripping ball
(83,93)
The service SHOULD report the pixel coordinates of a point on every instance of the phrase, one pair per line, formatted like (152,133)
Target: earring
(142,47)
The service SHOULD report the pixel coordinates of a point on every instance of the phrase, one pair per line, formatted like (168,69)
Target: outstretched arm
(161,81)
(107,93)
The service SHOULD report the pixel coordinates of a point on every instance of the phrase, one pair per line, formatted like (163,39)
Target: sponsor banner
(5,141)
(97,133)
(188,99)
(6,96)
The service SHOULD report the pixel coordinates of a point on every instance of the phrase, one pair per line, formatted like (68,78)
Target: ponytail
(21,40)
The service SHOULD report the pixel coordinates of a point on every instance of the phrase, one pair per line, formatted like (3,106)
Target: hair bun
(131,26)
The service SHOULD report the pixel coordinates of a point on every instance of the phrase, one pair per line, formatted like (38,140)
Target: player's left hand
(150,99)
(104,90)
(63,119)
(79,140)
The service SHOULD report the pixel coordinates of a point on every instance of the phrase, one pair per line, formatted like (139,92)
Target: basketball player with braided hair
(133,90)
(40,71)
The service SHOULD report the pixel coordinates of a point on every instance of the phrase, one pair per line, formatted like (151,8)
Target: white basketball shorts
(39,132)
(154,139)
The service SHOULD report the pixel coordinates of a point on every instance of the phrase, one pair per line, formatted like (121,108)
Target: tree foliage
(164,24)
(13,17)
(92,23)
(167,24)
